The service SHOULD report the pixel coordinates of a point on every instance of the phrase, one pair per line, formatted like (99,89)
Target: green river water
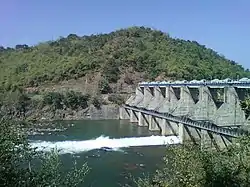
(108,168)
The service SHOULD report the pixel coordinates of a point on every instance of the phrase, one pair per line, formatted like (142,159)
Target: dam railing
(203,125)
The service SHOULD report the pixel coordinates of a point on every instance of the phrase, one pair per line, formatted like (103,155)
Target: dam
(204,112)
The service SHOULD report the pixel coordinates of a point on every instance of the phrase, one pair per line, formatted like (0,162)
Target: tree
(145,50)
(186,165)
(186,168)
(245,105)
(16,158)
(103,86)
(54,99)
(15,102)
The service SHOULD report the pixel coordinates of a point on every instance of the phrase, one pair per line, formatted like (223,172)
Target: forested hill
(142,49)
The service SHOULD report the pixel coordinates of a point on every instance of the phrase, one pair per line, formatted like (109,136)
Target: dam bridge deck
(203,125)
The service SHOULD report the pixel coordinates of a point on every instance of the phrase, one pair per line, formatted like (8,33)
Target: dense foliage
(144,49)
(188,166)
(17,103)
(17,162)
(70,99)
(245,105)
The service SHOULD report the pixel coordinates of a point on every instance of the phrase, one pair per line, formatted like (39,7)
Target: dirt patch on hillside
(90,84)
(86,84)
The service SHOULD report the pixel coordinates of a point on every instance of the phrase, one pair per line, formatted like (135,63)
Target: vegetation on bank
(189,166)
(21,165)
(143,49)
(17,103)
(245,105)
(185,165)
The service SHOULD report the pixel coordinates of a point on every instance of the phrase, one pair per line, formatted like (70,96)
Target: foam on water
(80,146)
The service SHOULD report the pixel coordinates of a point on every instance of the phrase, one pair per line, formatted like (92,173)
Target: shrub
(96,101)
(117,99)
(111,71)
(54,99)
(75,100)
(245,105)
(104,87)
(15,102)
(16,162)
(187,165)
(70,99)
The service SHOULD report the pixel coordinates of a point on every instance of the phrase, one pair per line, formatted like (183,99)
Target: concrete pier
(205,108)
(147,97)
(136,99)
(133,116)
(185,104)
(143,119)
(195,102)
(157,100)
(230,113)
(154,124)
(169,102)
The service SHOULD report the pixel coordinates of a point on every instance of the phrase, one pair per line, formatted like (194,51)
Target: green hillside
(144,49)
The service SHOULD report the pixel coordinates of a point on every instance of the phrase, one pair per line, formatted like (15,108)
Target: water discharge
(115,144)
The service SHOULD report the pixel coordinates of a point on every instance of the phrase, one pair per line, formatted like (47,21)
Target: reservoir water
(113,149)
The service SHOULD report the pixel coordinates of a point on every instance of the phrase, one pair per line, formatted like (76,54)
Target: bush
(16,158)
(75,100)
(187,165)
(70,99)
(111,71)
(117,99)
(104,87)
(37,101)
(96,101)
(54,99)
(245,105)
(15,102)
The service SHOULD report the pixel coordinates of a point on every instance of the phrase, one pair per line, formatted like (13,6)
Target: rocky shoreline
(46,114)
(104,112)
(40,122)
(46,127)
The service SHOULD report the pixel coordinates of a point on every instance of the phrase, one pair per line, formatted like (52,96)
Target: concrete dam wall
(203,103)
(219,105)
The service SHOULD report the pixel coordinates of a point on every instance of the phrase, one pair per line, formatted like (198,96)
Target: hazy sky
(223,25)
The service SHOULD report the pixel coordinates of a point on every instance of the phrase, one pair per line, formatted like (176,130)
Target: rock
(46,114)
(141,165)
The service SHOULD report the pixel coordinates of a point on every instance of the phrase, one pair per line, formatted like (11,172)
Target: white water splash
(80,146)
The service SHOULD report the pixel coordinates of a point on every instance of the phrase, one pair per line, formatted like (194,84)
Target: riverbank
(50,106)
(36,121)
(103,112)
(110,111)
